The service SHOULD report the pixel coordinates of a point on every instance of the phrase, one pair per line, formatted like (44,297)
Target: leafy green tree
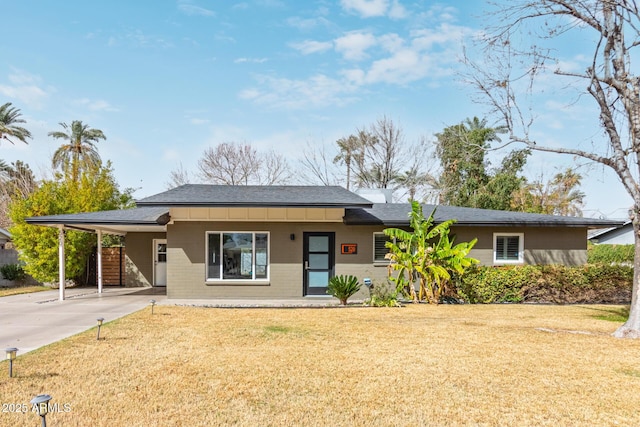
(559,196)
(79,152)
(96,190)
(425,255)
(466,178)
(10,117)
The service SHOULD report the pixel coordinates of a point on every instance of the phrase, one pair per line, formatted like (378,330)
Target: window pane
(512,247)
(237,251)
(318,244)
(213,256)
(318,279)
(262,255)
(318,261)
(508,248)
(379,248)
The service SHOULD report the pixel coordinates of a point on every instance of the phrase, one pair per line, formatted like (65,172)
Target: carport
(117,222)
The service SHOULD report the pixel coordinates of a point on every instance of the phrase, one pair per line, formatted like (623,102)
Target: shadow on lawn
(613,314)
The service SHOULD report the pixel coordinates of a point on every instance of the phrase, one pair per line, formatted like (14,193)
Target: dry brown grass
(4,292)
(480,365)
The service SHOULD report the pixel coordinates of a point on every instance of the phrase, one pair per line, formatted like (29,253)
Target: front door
(159,262)
(318,259)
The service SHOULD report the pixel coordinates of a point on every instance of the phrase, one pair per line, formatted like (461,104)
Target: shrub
(12,272)
(383,295)
(343,287)
(590,283)
(610,254)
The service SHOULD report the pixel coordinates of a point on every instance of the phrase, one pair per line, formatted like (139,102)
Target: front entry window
(237,256)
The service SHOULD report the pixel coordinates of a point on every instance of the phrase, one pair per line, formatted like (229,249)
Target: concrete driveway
(30,321)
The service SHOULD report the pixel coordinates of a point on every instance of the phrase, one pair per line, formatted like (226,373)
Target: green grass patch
(614,314)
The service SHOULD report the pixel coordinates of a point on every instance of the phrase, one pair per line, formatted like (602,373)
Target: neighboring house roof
(202,195)
(397,215)
(614,235)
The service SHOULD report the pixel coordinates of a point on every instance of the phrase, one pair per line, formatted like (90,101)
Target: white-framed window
(379,248)
(237,256)
(508,248)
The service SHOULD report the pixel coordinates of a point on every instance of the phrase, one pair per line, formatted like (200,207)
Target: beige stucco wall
(542,245)
(139,258)
(186,255)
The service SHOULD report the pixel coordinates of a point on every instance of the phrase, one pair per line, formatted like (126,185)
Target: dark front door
(318,261)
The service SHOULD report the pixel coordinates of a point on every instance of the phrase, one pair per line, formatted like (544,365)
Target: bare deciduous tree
(178,177)
(240,164)
(517,59)
(316,166)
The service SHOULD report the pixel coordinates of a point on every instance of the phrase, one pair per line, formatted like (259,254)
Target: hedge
(610,254)
(591,283)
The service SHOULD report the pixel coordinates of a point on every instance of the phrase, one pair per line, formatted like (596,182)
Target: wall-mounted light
(99,320)
(292,236)
(11,356)
(41,404)
(153,304)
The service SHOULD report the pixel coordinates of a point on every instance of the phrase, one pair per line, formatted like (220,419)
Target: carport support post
(99,256)
(61,261)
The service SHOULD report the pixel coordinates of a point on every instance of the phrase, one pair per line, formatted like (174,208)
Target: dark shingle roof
(202,195)
(397,215)
(137,216)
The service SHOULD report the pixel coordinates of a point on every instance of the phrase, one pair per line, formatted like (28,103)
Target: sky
(166,79)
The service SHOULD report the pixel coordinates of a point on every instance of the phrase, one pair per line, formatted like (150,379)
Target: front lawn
(450,365)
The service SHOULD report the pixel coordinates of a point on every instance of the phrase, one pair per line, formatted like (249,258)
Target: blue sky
(165,80)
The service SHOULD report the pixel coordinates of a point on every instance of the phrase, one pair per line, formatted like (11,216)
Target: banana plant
(426,255)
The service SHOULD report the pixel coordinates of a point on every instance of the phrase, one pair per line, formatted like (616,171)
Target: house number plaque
(348,248)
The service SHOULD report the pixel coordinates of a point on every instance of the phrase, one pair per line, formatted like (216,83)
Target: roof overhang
(119,222)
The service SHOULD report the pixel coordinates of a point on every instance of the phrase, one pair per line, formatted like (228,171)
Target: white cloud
(317,91)
(402,67)
(397,11)
(197,121)
(26,88)
(191,9)
(353,46)
(95,105)
(308,47)
(307,24)
(445,34)
(366,8)
(250,60)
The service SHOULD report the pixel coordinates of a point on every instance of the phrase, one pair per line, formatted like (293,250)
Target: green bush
(383,295)
(591,283)
(12,272)
(343,287)
(610,254)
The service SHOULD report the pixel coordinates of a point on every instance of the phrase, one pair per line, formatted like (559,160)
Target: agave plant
(343,287)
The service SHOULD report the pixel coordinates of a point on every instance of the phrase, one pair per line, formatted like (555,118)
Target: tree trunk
(631,328)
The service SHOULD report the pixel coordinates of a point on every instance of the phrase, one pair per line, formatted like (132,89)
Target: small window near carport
(508,248)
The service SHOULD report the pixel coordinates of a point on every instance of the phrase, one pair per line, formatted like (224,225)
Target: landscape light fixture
(99,320)
(153,303)
(11,356)
(41,404)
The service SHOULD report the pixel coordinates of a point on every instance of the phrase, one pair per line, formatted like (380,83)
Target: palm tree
(79,151)
(347,147)
(9,116)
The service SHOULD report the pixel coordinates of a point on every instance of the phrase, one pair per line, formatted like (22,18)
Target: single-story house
(212,241)
(621,235)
